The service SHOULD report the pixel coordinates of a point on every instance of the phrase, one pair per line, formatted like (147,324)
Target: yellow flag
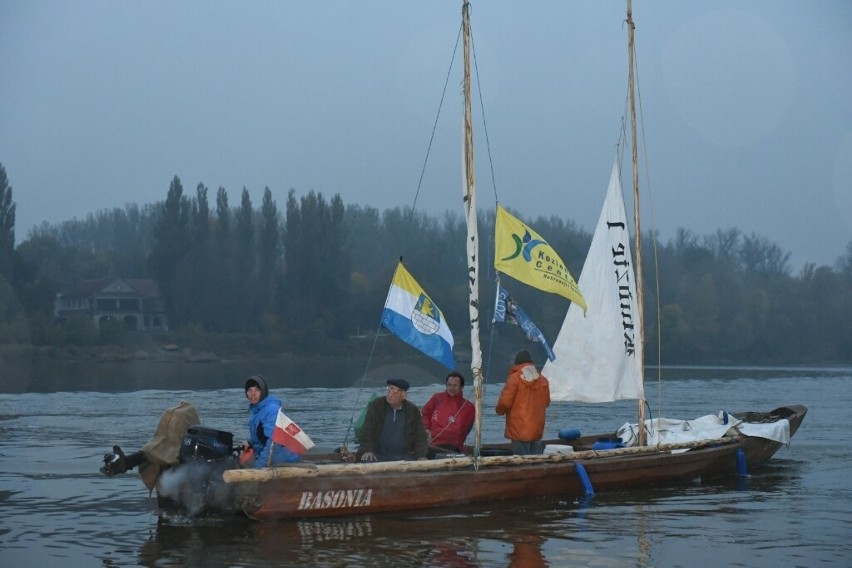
(523,254)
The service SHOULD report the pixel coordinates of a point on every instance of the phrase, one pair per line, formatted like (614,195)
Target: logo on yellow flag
(523,254)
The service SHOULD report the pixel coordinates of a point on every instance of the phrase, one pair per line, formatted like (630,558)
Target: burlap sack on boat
(163,449)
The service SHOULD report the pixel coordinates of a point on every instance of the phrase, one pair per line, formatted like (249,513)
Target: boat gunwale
(340,469)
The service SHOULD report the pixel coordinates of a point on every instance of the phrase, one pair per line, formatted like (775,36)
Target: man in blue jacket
(263,412)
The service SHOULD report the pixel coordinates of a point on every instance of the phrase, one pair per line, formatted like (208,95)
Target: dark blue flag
(507,310)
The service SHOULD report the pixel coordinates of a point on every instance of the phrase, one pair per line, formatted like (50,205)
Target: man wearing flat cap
(392,427)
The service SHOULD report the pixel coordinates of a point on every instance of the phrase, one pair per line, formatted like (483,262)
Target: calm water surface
(795,511)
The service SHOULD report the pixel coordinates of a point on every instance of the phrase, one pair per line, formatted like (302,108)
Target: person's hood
(526,371)
(261,383)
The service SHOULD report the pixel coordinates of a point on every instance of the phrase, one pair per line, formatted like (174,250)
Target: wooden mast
(472,236)
(640,295)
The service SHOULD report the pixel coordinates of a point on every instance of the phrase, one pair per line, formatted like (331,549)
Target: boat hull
(314,495)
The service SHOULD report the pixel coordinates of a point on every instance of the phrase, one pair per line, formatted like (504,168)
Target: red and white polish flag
(288,434)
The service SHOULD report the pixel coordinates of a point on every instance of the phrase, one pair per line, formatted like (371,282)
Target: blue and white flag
(507,310)
(412,316)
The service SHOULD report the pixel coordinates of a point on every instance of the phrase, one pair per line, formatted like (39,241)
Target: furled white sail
(598,357)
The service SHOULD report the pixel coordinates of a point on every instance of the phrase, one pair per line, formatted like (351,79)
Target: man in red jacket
(524,401)
(448,417)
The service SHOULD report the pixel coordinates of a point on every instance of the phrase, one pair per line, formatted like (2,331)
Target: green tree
(844,263)
(823,314)
(317,269)
(198,263)
(43,267)
(170,247)
(763,258)
(725,297)
(11,313)
(130,233)
(7,226)
(269,257)
(246,266)
(372,264)
(120,237)
(223,271)
(724,244)
(337,259)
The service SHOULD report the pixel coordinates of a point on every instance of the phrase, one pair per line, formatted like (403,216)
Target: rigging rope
(654,240)
(435,124)
(362,383)
(484,122)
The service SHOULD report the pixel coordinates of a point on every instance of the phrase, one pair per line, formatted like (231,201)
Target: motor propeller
(114,463)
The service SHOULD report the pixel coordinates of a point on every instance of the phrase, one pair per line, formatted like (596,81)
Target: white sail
(598,357)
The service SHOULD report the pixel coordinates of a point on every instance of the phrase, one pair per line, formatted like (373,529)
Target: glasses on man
(394,389)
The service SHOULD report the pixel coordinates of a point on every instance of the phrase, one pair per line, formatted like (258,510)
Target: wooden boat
(325,485)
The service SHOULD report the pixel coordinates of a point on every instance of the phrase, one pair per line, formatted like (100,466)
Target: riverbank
(142,350)
(187,347)
(208,361)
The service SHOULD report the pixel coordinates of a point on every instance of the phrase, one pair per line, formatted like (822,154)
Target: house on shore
(136,302)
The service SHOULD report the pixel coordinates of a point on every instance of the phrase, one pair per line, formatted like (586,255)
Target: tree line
(315,275)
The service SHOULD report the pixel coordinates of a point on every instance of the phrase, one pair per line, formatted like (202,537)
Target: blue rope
(742,467)
(584,477)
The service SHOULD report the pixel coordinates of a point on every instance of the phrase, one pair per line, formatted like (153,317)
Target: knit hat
(523,356)
(260,382)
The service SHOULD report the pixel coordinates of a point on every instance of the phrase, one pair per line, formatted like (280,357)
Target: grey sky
(746,105)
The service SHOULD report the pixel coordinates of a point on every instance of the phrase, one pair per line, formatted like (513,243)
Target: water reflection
(452,554)
(481,537)
(622,528)
(193,543)
(526,552)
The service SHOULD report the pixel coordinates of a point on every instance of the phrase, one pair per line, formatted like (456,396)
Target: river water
(57,509)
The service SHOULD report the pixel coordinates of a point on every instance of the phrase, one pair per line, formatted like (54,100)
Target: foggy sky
(746,107)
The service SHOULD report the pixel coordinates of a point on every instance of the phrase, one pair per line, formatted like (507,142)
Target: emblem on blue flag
(426,318)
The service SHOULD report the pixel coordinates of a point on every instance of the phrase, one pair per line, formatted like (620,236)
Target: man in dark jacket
(392,428)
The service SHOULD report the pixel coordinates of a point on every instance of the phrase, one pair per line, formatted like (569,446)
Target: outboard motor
(195,485)
(207,444)
(184,462)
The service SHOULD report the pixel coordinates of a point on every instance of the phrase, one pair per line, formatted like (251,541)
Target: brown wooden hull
(310,496)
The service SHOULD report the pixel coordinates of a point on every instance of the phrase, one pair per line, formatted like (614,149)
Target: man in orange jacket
(524,400)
